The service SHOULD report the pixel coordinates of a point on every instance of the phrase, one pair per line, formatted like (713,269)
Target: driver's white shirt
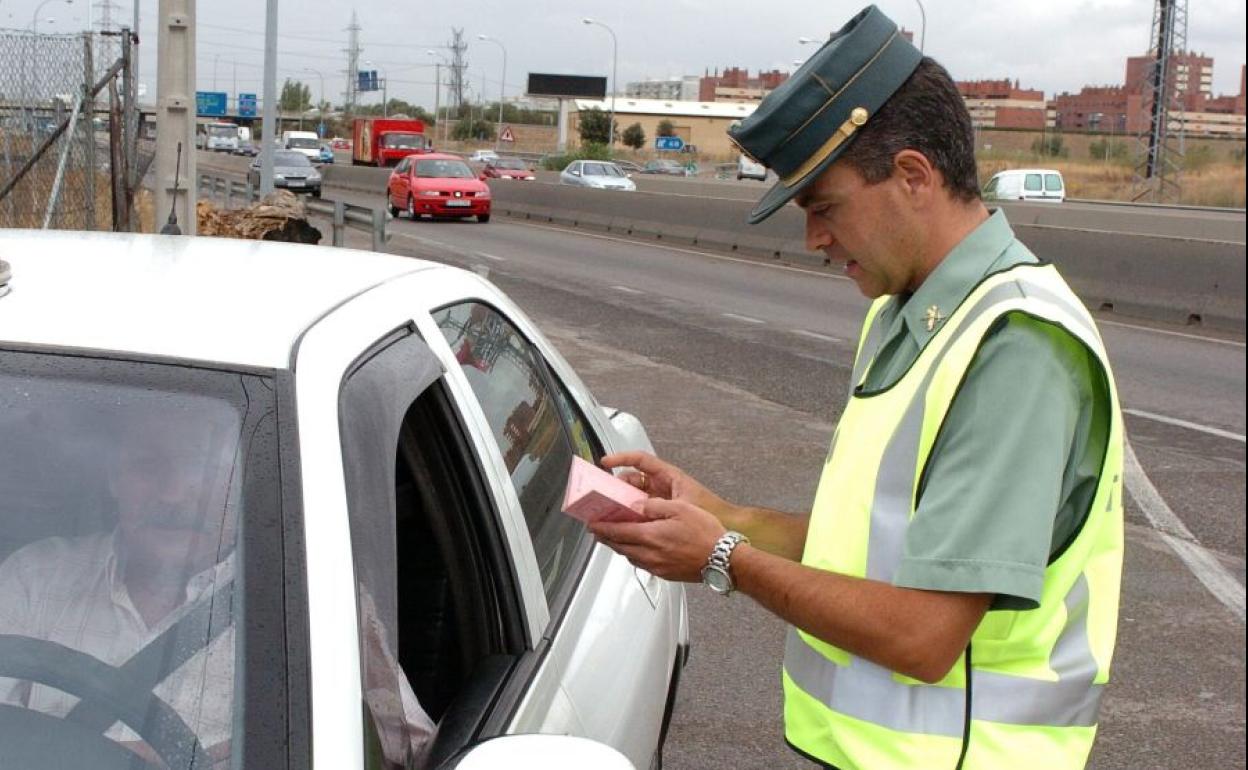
(69,591)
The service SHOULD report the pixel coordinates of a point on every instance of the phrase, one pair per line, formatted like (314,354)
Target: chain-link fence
(70,131)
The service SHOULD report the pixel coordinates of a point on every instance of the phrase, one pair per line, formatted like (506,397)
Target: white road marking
(627,289)
(483,255)
(679,250)
(1185,424)
(1203,564)
(1167,332)
(744,318)
(815,335)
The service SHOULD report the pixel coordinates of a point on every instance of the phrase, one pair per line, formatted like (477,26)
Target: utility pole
(270,97)
(353,66)
(175,112)
(459,63)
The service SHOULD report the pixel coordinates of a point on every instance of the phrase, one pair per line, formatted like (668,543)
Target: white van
(747,168)
(306,142)
(1026,184)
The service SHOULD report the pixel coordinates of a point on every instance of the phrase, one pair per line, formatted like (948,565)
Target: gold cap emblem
(858,116)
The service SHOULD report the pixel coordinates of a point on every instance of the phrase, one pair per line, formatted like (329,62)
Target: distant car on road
(508,168)
(291,170)
(599,174)
(247,149)
(326,154)
(339,143)
(1026,184)
(482,156)
(437,185)
(748,168)
(665,166)
(628,166)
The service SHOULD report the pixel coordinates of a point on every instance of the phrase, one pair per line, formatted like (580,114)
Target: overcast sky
(1054,45)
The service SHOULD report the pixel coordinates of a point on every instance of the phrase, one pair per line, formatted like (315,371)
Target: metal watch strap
(721,554)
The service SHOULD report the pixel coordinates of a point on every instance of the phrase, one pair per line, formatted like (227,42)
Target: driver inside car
(155,593)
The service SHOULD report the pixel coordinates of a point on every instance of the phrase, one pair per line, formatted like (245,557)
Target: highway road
(738,368)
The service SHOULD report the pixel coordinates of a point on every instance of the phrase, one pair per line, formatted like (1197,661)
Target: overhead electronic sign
(567,86)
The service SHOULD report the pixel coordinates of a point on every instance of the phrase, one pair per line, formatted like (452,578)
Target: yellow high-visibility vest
(1026,693)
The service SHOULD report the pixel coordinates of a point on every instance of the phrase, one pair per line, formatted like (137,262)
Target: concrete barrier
(1183,280)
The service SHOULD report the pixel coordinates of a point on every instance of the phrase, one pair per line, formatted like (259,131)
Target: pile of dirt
(279,216)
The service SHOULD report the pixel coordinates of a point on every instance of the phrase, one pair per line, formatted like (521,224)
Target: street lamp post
(502,86)
(437,93)
(614,61)
(34,19)
(922,25)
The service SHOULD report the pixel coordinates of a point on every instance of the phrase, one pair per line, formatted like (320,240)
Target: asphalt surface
(739,368)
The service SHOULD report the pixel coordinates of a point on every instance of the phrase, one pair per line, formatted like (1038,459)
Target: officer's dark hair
(928,115)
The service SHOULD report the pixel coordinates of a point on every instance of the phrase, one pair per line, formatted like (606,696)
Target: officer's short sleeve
(994,482)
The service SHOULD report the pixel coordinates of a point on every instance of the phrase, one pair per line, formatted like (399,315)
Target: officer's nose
(818,235)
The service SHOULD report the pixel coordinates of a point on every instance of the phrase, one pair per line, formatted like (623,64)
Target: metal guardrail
(342,215)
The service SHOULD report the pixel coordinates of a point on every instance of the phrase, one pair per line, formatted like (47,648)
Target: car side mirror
(629,428)
(550,752)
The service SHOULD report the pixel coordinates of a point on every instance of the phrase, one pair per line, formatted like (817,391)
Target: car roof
(1027,171)
(219,300)
(435,156)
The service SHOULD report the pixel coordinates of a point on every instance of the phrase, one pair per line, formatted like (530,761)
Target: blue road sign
(673,143)
(368,80)
(246,105)
(211,103)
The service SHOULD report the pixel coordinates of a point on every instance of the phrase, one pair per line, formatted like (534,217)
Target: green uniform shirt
(1014,469)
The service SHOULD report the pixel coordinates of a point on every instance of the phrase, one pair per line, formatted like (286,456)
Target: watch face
(717,579)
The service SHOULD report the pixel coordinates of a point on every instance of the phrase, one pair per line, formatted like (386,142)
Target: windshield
(223,132)
(288,159)
(297,143)
(404,141)
(602,169)
(443,169)
(124,485)
(511,163)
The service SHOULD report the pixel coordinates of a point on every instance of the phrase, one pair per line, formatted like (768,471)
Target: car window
(287,158)
(303,143)
(160,465)
(1052,183)
(511,163)
(443,169)
(403,166)
(404,141)
(430,596)
(991,187)
(531,423)
(1032,183)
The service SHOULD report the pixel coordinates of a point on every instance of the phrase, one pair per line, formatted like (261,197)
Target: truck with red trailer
(386,141)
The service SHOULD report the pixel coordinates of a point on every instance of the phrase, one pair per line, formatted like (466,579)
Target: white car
(748,168)
(599,174)
(378,449)
(1026,184)
(482,156)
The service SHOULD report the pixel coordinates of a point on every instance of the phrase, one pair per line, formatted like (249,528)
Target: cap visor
(781,194)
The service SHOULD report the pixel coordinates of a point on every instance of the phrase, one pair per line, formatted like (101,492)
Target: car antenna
(171,226)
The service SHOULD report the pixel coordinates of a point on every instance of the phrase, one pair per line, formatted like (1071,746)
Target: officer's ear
(918,177)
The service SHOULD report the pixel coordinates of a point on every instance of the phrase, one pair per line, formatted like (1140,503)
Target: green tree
(595,127)
(473,128)
(1050,146)
(1109,149)
(665,128)
(296,97)
(634,136)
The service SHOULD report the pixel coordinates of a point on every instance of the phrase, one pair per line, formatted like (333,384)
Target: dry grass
(1215,184)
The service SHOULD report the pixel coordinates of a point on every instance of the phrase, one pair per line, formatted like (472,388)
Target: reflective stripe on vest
(867,692)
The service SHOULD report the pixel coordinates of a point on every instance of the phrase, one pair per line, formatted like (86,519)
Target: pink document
(596,495)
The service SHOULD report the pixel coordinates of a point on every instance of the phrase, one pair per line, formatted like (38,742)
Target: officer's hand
(662,479)
(674,544)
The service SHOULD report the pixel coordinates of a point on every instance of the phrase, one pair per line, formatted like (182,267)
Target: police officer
(953,593)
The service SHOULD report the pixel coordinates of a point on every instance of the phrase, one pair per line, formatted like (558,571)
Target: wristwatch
(716,573)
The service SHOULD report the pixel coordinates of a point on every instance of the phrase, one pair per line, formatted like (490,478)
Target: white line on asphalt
(1203,564)
(1185,424)
(744,318)
(678,250)
(815,335)
(483,255)
(1167,332)
(627,289)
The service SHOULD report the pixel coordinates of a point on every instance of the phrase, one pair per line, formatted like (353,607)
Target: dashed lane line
(1185,424)
(743,318)
(628,289)
(815,335)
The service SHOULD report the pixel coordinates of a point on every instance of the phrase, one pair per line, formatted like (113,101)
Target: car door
(399,183)
(614,634)
(392,484)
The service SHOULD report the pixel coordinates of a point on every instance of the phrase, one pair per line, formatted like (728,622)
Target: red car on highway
(508,168)
(437,185)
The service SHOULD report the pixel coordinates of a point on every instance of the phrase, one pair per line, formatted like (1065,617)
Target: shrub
(1050,146)
(634,136)
(478,129)
(585,152)
(595,126)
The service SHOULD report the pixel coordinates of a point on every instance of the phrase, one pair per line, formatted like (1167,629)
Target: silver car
(292,170)
(599,174)
(345,469)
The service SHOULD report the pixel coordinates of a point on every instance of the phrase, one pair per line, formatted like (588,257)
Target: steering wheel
(34,739)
